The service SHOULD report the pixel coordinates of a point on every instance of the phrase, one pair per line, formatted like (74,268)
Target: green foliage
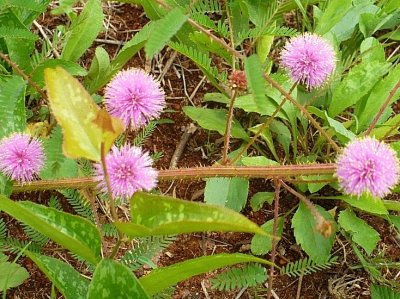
(11,274)
(206,6)
(109,230)
(258,199)
(307,266)
(15,246)
(261,245)
(144,134)
(144,250)
(383,292)
(34,235)
(237,278)
(3,229)
(80,204)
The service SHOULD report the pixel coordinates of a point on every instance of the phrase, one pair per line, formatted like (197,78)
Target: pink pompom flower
(135,97)
(367,165)
(129,170)
(309,59)
(21,157)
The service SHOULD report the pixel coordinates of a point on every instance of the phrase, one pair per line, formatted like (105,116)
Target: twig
(241,292)
(383,107)
(46,38)
(23,75)
(205,290)
(167,65)
(195,173)
(228,128)
(277,184)
(109,42)
(190,129)
(298,292)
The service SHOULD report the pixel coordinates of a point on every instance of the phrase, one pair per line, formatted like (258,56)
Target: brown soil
(204,148)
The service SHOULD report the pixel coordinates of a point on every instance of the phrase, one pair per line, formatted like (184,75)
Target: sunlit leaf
(85,125)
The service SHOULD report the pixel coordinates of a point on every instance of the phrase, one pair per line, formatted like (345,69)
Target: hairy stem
(383,107)
(228,129)
(195,173)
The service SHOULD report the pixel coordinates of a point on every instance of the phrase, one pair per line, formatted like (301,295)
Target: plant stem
(228,129)
(303,110)
(195,173)
(277,184)
(383,107)
(263,126)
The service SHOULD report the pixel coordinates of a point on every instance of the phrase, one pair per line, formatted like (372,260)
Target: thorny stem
(195,173)
(23,75)
(263,126)
(277,184)
(303,110)
(383,107)
(111,199)
(228,129)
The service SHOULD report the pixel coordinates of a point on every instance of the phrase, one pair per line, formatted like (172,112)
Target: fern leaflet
(145,134)
(307,266)
(34,235)
(3,229)
(145,250)
(275,31)
(206,6)
(81,206)
(205,21)
(15,246)
(109,230)
(54,203)
(236,278)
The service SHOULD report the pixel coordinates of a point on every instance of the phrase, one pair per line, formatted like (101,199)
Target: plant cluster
(319,117)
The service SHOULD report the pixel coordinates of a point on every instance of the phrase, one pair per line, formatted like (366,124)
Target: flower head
(367,165)
(129,170)
(21,157)
(309,58)
(135,97)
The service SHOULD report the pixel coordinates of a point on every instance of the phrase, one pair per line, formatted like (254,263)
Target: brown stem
(228,129)
(303,110)
(277,184)
(383,107)
(263,126)
(23,75)
(195,173)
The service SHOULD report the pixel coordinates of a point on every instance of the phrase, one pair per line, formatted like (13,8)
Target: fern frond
(145,250)
(3,229)
(157,156)
(145,134)
(81,206)
(54,203)
(34,235)
(206,6)
(202,60)
(89,266)
(221,28)
(167,293)
(236,278)
(15,246)
(307,266)
(275,31)
(109,230)
(85,167)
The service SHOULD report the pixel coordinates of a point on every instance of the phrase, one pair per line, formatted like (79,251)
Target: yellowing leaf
(85,125)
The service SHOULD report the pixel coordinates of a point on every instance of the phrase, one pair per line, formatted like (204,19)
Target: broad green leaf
(366,203)
(392,205)
(72,232)
(307,235)
(378,96)
(256,81)
(258,199)
(383,292)
(283,135)
(395,220)
(390,127)
(11,275)
(67,280)
(12,105)
(216,97)
(167,27)
(163,215)
(333,13)
(355,85)
(261,245)
(361,233)
(247,103)
(258,161)
(115,280)
(83,31)
(267,136)
(227,192)
(371,49)
(161,278)
(98,71)
(215,119)
(85,126)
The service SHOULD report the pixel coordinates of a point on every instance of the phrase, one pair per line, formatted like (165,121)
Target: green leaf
(333,13)
(85,126)
(11,275)
(383,292)
(162,278)
(227,192)
(361,233)
(83,31)
(258,161)
(114,280)
(261,245)
(357,83)
(366,203)
(167,27)
(164,215)
(12,105)
(66,279)
(283,135)
(258,200)
(256,81)
(72,232)
(307,235)
(215,119)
